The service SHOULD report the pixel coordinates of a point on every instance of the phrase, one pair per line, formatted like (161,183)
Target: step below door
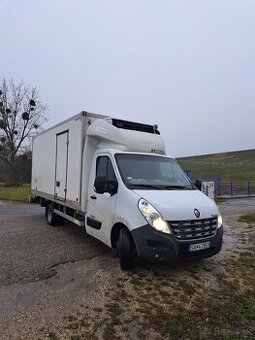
(61,165)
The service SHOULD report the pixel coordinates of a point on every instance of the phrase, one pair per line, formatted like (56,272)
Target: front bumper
(156,246)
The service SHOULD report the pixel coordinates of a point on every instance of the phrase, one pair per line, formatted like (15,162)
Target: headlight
(153,217)
(220,222)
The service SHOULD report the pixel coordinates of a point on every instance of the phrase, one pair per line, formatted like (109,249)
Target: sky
(186,65)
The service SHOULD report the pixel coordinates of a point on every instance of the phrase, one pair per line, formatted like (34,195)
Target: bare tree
(21,115)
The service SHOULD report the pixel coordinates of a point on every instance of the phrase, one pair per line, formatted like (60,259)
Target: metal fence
(237,187)
(228,187)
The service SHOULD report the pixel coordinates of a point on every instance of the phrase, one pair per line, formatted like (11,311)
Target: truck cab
(144,205)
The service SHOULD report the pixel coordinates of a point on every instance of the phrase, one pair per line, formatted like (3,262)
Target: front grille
(194,229)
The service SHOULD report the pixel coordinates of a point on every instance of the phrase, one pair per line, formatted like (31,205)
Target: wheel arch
(115,234)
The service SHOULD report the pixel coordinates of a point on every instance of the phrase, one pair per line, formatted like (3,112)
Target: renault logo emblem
(197,213)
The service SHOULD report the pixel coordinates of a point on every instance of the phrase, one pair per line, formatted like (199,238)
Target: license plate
(199,246)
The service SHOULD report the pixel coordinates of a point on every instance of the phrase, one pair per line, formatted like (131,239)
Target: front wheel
(126,249)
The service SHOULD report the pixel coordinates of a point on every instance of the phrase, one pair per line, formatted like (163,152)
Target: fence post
(219,185)
(249,187)
(231,188)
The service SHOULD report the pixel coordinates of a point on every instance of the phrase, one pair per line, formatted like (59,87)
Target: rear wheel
(126,249)
(52,218)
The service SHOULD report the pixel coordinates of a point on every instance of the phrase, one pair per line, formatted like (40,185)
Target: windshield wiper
(180,187)
(159,187)
(147,186)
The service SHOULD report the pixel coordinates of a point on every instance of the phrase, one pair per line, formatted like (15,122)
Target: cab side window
(105,177)
(101,169)
(104,168)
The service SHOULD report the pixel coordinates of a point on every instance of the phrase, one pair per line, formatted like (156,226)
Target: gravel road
(46,271)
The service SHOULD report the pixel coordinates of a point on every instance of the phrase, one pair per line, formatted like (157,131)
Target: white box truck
(112,178)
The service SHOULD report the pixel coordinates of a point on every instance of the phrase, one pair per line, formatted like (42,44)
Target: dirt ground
(59,283)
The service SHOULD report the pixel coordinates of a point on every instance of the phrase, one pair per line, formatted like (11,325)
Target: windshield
(151,172)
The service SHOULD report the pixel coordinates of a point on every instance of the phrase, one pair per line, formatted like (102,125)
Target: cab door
(101,207)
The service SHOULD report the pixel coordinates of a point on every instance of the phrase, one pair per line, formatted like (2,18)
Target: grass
(248,218)
(18,193)
(220,200)
(224,311)
(155,304)
(239,165)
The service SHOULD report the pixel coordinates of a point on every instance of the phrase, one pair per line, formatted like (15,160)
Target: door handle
(93,197)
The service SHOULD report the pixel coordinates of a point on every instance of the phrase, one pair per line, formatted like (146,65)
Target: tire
(126,249)
(52,218)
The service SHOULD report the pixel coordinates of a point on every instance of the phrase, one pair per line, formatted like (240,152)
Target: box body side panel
(44,160)
(43,163)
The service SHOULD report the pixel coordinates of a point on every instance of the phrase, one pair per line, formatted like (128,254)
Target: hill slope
(238,165)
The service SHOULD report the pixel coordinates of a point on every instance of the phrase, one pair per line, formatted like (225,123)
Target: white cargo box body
(57,161)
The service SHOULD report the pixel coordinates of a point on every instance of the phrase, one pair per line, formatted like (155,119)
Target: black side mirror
(112,187)
(100,184)
(198,184)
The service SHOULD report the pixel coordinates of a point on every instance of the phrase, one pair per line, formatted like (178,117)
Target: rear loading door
(61,165)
